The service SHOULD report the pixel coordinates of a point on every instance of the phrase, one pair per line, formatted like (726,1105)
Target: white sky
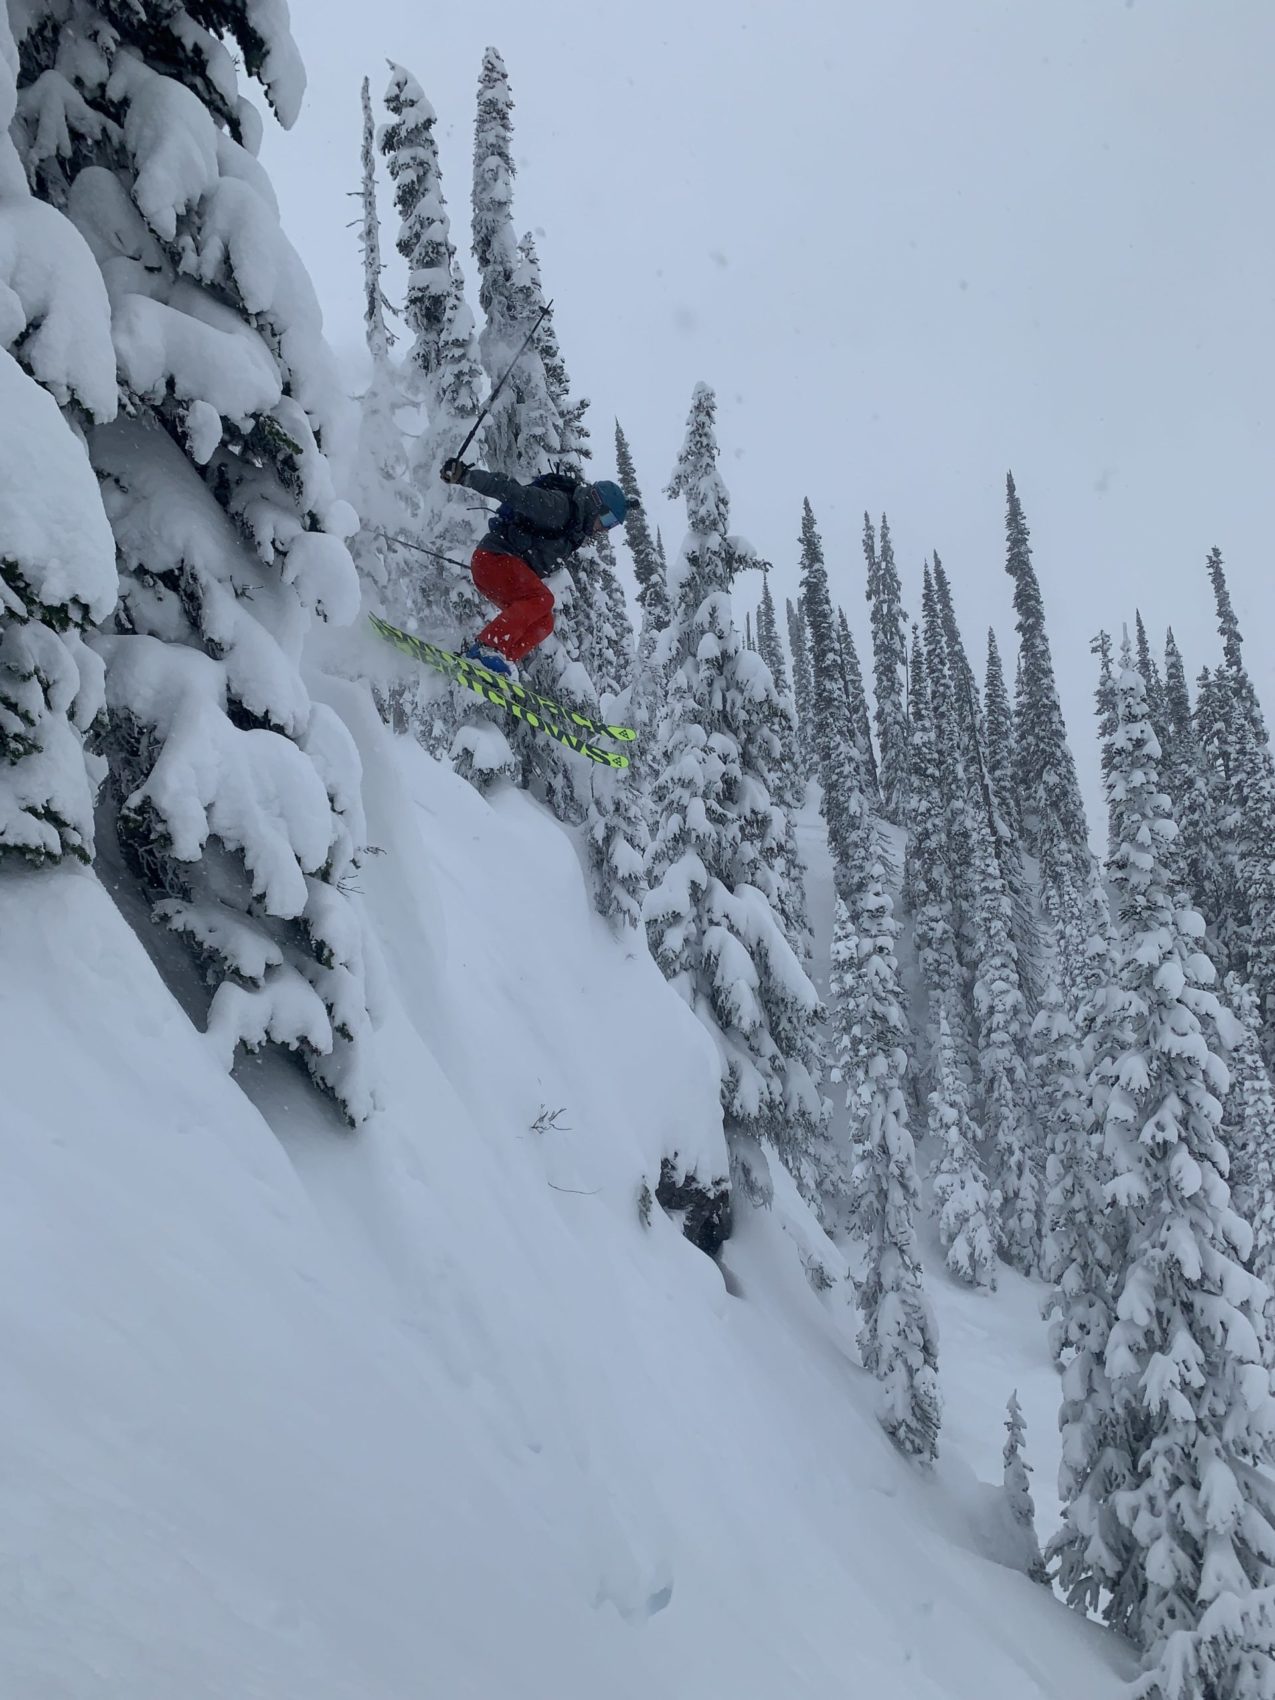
(910,245)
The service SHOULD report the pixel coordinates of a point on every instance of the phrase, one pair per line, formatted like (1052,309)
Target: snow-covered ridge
(427,1410)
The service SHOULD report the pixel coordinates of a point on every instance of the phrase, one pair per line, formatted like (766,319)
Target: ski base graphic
(539,712)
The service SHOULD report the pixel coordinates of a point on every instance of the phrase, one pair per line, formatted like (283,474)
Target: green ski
(539,712)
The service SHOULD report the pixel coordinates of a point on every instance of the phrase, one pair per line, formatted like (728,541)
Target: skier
(535,529)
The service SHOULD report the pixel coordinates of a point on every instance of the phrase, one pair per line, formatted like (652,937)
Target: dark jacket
(546,525)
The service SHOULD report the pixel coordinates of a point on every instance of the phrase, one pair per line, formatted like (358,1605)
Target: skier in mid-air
(535,529)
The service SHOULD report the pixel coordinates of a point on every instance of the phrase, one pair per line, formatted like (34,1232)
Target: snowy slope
(426,1411)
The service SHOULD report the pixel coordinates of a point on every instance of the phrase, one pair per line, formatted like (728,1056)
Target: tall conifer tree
(1212,832)
(1001,1015)
(712,929)
(1018,1493)
(1052,811)
(522,432)
(954,778)
(648,563)
(1242,749)
(1149,668)
(1248,1131)
(235,796)
(770,648)
(646,693)
(385,497)
(898,1340)
(857,706)
(802,682)
(842,801)
(57,560)
(966,707)
(889,670)
(927,881)
(998,777)
(1163,1531)
(1075,1258)
(1000,738)
(966,1209)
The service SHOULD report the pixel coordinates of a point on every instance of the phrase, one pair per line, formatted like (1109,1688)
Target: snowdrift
(428,1411)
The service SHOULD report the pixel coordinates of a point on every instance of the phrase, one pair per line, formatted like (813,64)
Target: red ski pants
(525,603)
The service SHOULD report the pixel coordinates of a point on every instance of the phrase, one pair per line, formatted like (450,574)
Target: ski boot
(491,659)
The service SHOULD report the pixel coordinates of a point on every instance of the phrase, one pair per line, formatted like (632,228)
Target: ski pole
(526,343)
(420,548)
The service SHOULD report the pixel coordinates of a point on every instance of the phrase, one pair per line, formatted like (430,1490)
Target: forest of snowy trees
(1066,1062)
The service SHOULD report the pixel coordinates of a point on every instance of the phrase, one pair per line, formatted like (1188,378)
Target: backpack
(577,526)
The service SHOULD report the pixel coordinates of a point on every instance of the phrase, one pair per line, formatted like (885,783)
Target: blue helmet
(615,504)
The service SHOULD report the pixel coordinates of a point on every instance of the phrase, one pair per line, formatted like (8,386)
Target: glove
(453,471)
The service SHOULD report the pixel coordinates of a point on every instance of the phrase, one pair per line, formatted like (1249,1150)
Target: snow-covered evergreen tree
(443,360)
(713,927)
(927,886)
(521,434)
(236,798)
(1000,739)
(1018,1491)
(1177,692)
(1149,668)
(774,863)
(842,801)
(857,708)
(786,882)
(1197,803)
(1248,1129)
(646,690)
(618,841)
(383,493)
(1164,1521)
(1001,1014)
(998,778)
(966,1210)
(768,644)
(1212,823)
(572,410)
(889,670)
(955,779)
(1228,1656)
(791,779)
(1052,812)
(966,707)
(1075,1257)
(615,649)
(57,557)
(802,682)
(648,563)
(1228,627)
(1106,711)
(1245,754)
(898,1340)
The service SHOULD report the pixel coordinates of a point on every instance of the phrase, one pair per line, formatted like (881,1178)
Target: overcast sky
(911,245)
